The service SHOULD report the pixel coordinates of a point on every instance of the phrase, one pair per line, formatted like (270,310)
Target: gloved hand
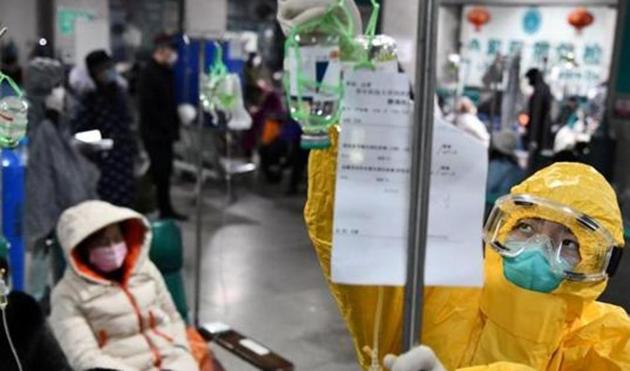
(292,13)
(421,358)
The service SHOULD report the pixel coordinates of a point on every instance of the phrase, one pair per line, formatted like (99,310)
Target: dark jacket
(106,110)
(159,121)
(57,176)
(35,344)
(540,117)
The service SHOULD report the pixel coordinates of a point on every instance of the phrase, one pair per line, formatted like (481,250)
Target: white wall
(400,22)
(65,42)
(206,17)
(20,16)
(506,26)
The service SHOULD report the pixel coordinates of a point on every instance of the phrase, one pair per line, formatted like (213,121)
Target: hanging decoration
(580,18)
(478,16)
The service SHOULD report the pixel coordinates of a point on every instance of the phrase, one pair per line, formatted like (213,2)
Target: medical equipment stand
(420,170)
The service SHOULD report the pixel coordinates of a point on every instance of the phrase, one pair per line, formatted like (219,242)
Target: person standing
(58,175)
(159,122)
(539,137)
(104,108)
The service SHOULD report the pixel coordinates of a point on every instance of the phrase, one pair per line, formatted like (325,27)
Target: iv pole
(422,135)
(199,206)
(3,31)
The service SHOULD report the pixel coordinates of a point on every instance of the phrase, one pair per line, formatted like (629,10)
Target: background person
(104,108)
(159,121)
(504,172)
(468,121)
(539,137)
(57,174)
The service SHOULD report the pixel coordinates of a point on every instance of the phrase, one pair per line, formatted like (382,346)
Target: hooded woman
(112,309)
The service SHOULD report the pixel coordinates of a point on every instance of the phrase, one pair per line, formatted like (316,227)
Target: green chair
(166,252)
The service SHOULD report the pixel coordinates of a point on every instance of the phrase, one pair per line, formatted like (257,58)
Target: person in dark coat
(105,109)
(35,345)
(159,122)
(58,175)
(539,136)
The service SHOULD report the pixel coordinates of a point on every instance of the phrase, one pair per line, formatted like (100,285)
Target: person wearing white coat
(112,309)
(468,121)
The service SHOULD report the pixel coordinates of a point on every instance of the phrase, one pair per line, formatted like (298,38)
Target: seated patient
(112,309)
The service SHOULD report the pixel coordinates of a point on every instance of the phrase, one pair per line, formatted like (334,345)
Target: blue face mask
(530,270)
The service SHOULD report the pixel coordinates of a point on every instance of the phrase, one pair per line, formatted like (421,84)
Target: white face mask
(55,100)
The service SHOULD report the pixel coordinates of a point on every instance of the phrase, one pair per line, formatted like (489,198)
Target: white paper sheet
(372,191)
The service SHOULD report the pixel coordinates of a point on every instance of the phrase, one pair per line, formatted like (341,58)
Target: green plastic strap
(12,83)
(218,68)
(329,23)
(370,33)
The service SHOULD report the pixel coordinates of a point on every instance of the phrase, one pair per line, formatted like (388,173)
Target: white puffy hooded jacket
(132,325)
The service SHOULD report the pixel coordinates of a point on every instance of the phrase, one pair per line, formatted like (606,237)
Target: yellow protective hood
(584,190)
(530,326)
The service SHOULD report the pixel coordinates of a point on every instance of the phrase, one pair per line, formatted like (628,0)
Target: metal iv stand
(3,31)
(422,134)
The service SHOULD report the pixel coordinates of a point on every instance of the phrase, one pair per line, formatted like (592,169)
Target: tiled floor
(260,275)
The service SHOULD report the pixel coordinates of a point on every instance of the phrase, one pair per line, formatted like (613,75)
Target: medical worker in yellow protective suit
(549,247)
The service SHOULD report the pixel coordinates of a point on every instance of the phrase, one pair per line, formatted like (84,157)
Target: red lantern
(478,17)
(580,18)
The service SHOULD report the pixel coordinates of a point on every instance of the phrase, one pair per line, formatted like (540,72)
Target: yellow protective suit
(499,327)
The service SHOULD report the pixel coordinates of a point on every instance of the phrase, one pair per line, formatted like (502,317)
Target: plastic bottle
(13,120)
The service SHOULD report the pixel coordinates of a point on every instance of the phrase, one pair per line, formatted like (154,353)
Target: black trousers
(161,157)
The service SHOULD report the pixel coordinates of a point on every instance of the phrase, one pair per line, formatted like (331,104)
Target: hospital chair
(166,253)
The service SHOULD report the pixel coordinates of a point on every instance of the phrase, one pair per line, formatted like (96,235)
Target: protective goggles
(573,243)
